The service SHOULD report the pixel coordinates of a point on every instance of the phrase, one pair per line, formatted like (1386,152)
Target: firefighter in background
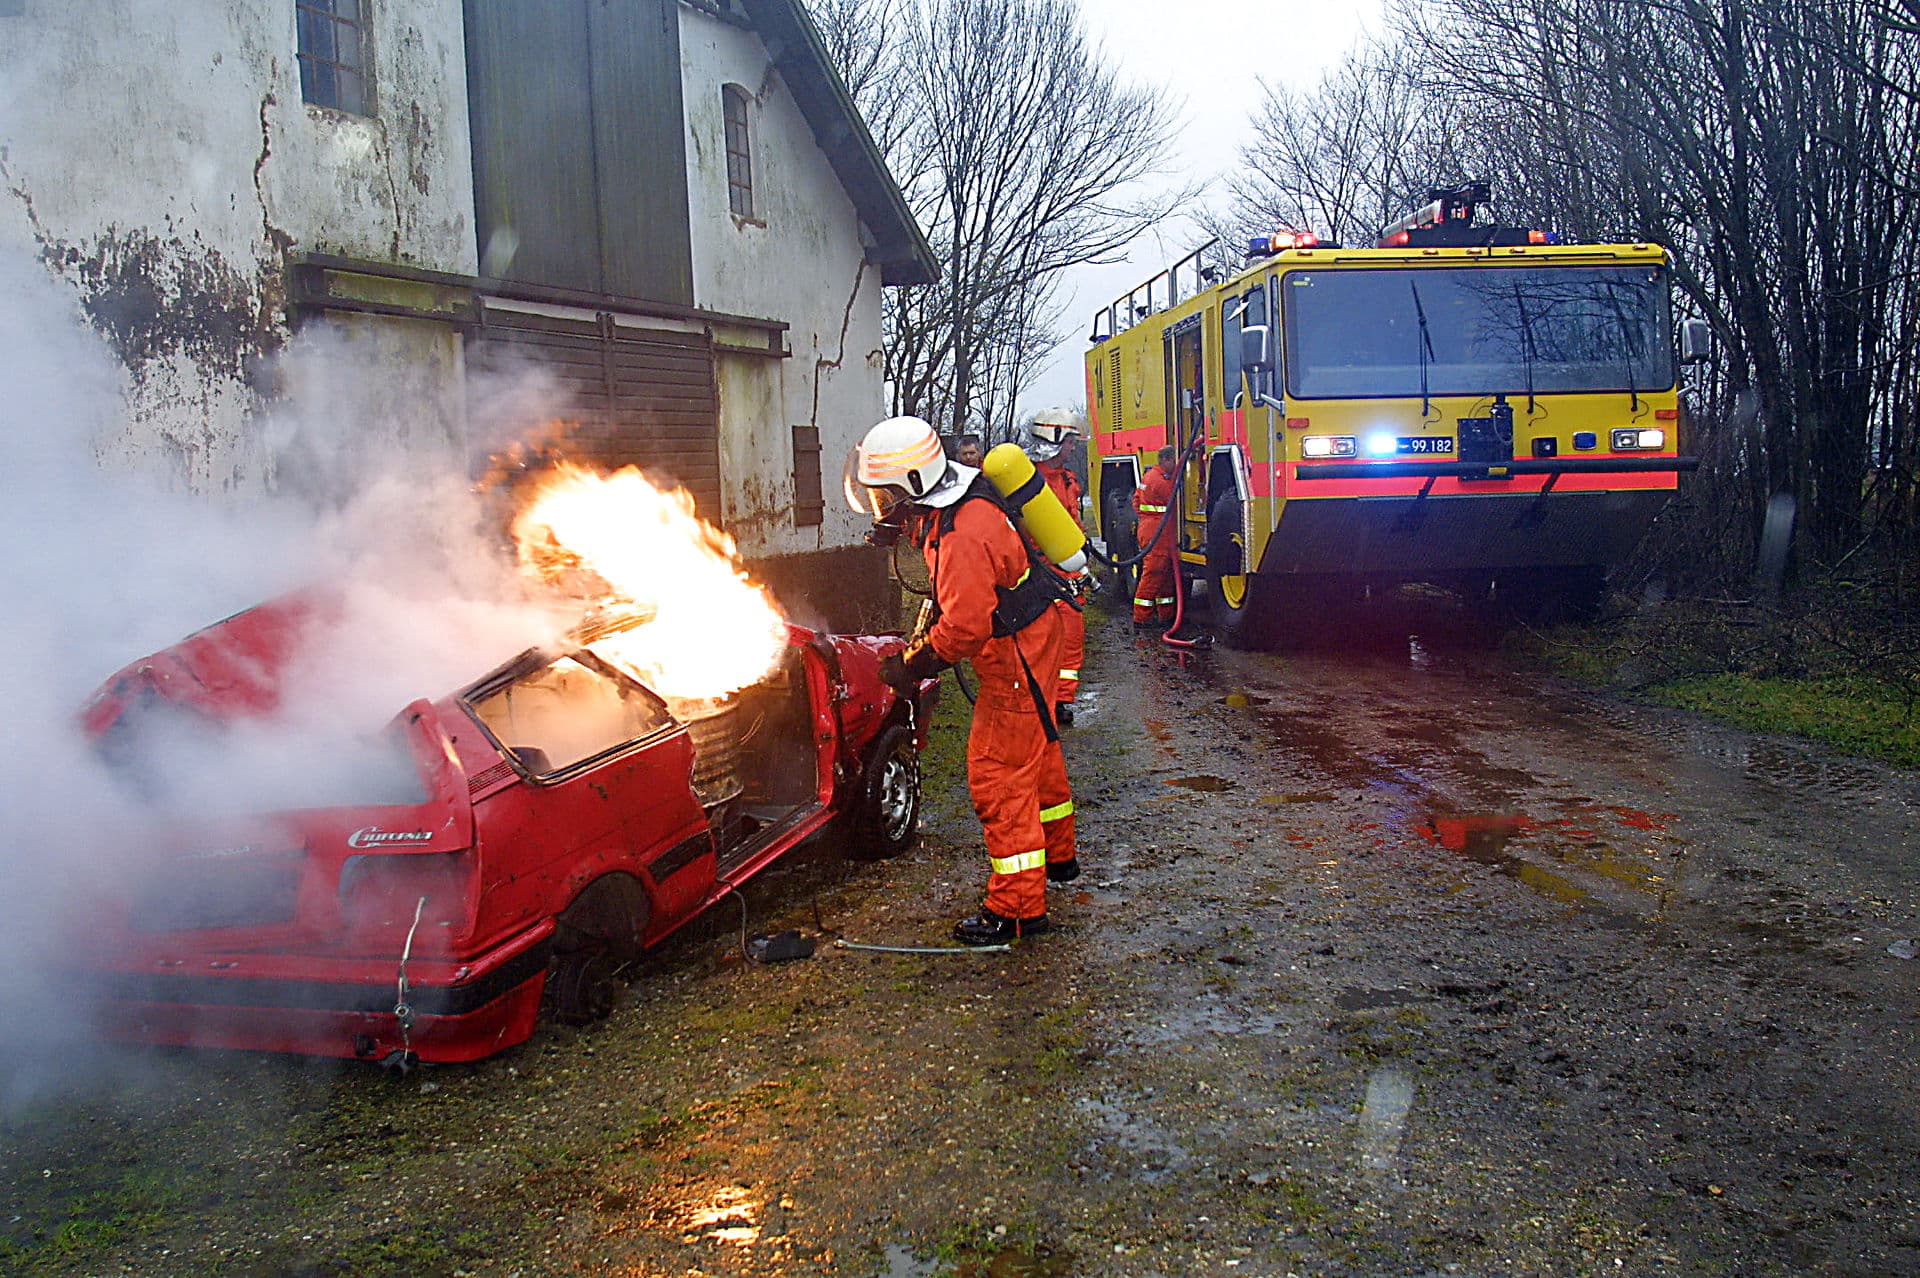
(968,452)
(1052,430)
(1153,596)
(993,606)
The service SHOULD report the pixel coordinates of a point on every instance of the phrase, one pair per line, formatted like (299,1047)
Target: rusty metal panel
(640,150)
(530,102)
(644,398)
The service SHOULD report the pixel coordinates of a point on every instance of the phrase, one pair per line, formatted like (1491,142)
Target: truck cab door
(1187,414)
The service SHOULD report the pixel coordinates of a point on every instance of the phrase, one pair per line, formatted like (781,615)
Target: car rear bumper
(462,1010)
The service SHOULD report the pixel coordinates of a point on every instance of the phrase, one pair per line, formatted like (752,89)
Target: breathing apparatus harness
(1018,606)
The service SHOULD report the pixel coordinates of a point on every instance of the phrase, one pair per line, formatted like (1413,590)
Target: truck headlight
(1329,446)
(1631,439)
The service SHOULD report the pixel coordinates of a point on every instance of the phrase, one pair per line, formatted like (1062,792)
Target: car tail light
(380,892)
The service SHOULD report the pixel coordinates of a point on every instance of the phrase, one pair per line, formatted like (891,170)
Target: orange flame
(703,631)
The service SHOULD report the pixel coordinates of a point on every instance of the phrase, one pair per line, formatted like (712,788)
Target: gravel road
(1394,958)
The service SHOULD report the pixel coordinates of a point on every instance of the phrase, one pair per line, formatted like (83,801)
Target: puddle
(1139,1147)
(1312,796)
(1417,655)
(1243,700)
(728,1217)
(1213,784)
(1357,999)
(900,1262)
(1016,1262)
(1202,1020)
(1574,841)
(1383,1119)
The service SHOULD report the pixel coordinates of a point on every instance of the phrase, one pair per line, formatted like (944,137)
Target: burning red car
(520,839)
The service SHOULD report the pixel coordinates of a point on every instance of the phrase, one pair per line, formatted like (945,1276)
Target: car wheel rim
(897,793)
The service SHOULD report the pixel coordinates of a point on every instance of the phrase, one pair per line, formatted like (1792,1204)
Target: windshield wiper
(1426,349)
(1527,351)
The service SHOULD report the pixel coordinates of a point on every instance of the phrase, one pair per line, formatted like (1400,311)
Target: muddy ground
(1395,958)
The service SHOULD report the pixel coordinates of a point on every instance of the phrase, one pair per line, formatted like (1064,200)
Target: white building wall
(801,259)
(158,158)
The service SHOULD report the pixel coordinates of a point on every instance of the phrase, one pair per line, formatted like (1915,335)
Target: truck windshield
(1359,334)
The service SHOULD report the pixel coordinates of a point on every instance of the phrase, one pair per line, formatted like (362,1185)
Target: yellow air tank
(1039,512)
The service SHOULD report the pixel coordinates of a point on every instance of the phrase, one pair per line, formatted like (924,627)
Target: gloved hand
(903,671)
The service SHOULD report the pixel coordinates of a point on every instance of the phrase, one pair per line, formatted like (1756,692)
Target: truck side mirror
(1696,342)
(1256,355)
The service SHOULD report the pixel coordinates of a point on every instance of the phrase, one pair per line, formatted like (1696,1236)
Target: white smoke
(101,568)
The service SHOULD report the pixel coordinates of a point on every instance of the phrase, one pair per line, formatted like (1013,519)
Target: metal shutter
(638,397)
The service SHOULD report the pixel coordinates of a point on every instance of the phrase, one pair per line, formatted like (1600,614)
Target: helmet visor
(866,499)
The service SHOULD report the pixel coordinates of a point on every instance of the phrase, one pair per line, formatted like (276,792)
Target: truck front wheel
(1238,596)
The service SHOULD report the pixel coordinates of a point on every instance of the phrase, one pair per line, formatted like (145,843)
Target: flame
(701,629)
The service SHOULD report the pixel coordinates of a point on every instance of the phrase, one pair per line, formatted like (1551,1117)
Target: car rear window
(567,712)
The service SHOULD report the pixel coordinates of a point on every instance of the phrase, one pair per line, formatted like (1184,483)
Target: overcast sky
(1211,56)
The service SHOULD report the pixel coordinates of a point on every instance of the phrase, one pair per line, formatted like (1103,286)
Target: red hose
(1179,604)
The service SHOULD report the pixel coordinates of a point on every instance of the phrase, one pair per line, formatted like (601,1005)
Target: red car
(522,838)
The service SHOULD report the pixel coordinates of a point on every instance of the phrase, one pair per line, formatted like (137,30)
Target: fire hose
(1179,586)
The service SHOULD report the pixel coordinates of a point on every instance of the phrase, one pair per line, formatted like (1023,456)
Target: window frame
(736,122)
(535,662)
(309,62)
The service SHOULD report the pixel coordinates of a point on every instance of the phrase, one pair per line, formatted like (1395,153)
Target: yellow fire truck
(1476,406)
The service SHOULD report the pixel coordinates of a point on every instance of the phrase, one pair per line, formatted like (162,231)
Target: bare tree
(1022,153)
(1350,155)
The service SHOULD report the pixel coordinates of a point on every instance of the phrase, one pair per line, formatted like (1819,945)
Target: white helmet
(901,460)
(1052,428)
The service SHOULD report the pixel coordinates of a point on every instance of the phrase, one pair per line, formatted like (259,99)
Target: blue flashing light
(1381,444)
(1584,439)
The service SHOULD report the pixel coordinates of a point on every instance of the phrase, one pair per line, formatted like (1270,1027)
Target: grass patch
(1837,674)
(1854,715)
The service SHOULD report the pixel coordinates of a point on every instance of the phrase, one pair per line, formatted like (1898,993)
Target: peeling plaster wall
(158,158)
(800,259)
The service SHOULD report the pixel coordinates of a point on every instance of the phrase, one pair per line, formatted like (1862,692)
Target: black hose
(1093,553)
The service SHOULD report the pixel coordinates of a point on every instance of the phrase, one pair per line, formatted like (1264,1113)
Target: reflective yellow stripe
(1153,510)
(1138,602)
(1057,811)
(1015,864)
(1023,576)
(1070,674)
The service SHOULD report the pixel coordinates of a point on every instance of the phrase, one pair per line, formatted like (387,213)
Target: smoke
(101,568)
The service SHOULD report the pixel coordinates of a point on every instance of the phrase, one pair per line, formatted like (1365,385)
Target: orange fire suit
(1066,486)
(1153,597)
(1009,765)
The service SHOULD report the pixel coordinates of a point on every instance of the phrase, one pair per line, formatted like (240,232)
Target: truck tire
(1239,597)
(1118,525)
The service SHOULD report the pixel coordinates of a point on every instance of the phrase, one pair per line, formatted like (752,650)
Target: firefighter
(994,606)
(1052,429)
(1153,596)
(968,452)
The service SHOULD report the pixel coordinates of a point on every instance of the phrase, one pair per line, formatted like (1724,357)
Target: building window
(332,52)
(739,156)
(809,503)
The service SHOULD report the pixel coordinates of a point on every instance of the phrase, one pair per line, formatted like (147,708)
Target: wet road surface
(1389,959)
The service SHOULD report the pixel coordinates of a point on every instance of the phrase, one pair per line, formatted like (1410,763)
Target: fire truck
(1476,406)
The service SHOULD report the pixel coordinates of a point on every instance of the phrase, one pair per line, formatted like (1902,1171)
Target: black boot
(1063,871)
(1063,713)
(988,928)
